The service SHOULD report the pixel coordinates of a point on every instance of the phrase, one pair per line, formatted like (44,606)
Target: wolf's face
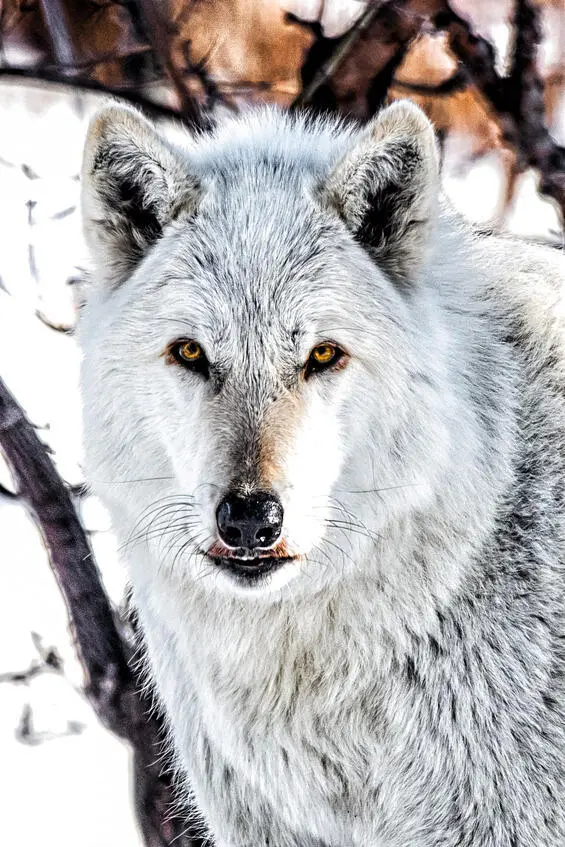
(248,340)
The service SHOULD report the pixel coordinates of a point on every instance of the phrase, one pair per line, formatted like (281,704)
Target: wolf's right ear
(133,185)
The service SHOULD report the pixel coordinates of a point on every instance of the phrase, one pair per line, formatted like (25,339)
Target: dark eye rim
(336,363)
(174,357)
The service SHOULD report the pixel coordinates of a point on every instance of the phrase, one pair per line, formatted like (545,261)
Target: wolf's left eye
(190,354)
(324,356)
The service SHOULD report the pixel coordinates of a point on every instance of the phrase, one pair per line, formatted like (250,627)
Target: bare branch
(6,494)
(517,99)
(111,686)
(65,329)
(55,14)
(158,34)
(54,77)
(338,56)
(353,73)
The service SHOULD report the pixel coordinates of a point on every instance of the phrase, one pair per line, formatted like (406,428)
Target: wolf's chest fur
(287,716)
(291,720)
(331,735)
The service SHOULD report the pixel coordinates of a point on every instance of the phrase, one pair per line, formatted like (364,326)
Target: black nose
(253,521)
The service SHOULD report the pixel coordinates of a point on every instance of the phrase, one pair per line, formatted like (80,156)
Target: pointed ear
(385,188)
(133,185)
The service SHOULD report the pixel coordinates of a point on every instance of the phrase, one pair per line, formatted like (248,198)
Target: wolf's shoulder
(525,283)
(519,284)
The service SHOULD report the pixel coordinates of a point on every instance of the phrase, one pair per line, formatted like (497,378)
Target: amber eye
(190,354)
(189,351)
(323,356)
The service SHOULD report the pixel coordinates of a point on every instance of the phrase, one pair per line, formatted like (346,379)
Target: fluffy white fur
(401,682)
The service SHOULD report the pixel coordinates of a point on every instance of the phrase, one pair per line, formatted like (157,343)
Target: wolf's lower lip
(250,570)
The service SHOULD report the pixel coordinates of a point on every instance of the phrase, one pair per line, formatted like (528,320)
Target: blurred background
(491,76)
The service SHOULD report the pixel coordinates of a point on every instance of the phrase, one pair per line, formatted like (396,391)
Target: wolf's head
(253,390)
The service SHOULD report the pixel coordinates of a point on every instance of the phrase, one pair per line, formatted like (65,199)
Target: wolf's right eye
(189,354)
(323,357)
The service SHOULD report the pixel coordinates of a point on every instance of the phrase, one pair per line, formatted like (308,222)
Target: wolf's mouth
(250,570)
(250,566)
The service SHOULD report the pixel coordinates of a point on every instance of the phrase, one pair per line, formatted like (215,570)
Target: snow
(72,784)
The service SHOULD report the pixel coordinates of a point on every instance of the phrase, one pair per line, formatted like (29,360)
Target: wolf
(327,419)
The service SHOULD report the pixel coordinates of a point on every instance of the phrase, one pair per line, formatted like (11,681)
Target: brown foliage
(247,46)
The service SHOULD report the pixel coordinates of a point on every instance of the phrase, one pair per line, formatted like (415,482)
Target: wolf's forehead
(256,233)
(269,201)
(257,260)
(257,288)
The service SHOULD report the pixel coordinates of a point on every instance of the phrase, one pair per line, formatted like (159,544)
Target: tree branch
(53,77)
(343,47)
(517,100)
(353,73)
(158,35)
(111,686)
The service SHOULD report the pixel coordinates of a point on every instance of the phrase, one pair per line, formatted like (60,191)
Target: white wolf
(328,422)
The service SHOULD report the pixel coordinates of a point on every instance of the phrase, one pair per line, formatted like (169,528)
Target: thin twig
(56,25)
(158,35)
(342,50)
(517,100)
(6,494)
(42,75)
(354,73)
(458,81)
(65,329)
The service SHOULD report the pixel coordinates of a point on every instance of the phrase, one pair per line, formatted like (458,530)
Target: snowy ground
(67,781)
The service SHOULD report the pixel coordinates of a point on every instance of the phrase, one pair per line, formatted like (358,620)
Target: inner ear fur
(385,188)
(133,184)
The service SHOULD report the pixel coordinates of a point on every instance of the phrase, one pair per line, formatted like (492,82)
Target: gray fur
(401,684)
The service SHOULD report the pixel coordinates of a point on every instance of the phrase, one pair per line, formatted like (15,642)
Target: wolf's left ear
(385,188)
(133,185)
